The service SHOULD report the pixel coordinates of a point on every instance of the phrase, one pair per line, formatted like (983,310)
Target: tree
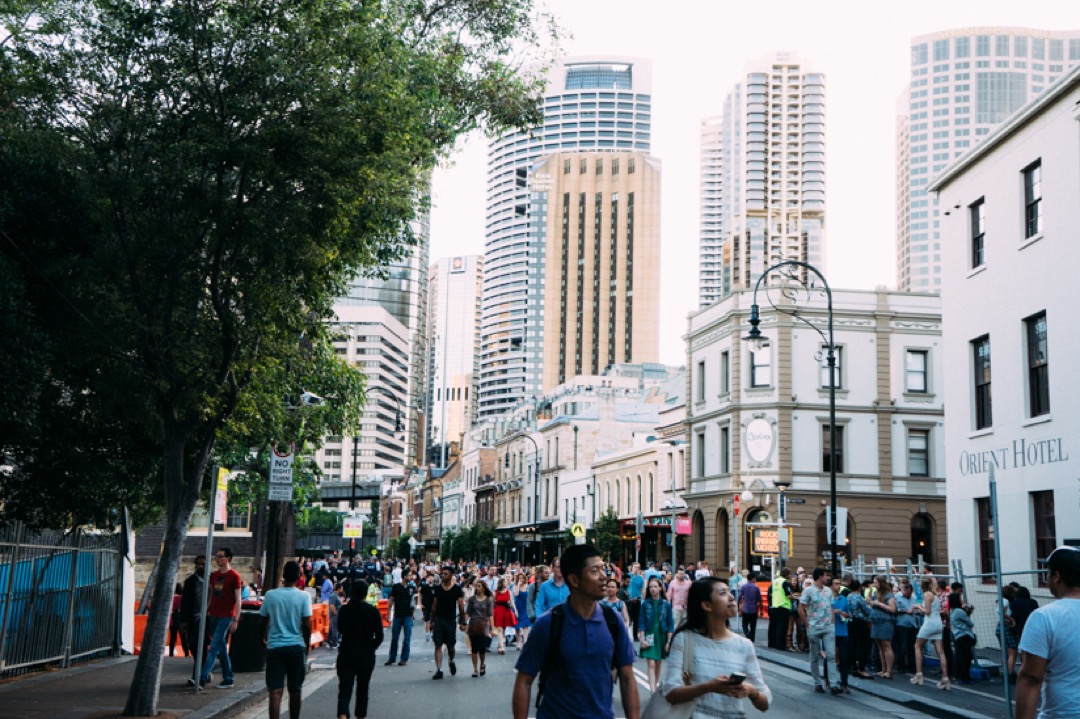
(213,174)
(606,533)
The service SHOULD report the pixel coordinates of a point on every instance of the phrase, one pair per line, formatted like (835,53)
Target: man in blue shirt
(286,613)
(578,682)
(636,590)
(907,626)
(1050,654)
(553,591)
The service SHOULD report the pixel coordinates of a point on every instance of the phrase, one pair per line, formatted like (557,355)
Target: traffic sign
(281,466)
(736,505)
(280,493)
(352,527)
(577,529)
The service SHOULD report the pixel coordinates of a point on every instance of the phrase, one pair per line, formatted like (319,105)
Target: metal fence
(60,597)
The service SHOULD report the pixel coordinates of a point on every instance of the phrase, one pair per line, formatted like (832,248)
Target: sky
(699,50)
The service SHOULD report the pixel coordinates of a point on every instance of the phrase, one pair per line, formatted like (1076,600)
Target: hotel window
(986,540)
(916,370)
(918,446)
(599,166)
(1042,505)
(700,455)
(614,167)
(630,166)
(826,456)
(980,350)
(1038,368)
(977,216)
(725,449)
(583,166)
(824,371)
(566,166)
(761,367)
(701,381)
(725,373)
(1033,199)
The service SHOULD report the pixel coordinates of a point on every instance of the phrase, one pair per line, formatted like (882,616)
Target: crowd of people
(872,628)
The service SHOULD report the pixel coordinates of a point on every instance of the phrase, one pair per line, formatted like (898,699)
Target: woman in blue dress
(520,590)
(656,625)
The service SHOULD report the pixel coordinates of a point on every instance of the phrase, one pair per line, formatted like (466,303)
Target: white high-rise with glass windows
(763,176)
(964,83)
(594,104)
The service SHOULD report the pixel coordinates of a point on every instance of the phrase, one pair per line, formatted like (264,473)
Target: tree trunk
(180,499)
(280,541)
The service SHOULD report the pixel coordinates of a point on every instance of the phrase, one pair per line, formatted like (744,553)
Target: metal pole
(1000,603)
(352,496)
(20,536)
(206,579)
(69,619)
(832,437)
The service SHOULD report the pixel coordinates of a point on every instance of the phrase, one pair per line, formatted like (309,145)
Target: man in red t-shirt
(223,616)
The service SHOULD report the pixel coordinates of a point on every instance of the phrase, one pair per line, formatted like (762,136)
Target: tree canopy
(188,186)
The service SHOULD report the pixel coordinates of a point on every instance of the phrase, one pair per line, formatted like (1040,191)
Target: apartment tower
(597,104)
(762,176)
(964,83)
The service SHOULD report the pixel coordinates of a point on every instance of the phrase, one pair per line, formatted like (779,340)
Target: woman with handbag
(711,669)
(656,625)
(505,613)
(479,610)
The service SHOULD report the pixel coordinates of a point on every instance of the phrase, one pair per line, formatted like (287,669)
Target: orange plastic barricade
(320,623)
(140,630)
(384,612)
(763,608)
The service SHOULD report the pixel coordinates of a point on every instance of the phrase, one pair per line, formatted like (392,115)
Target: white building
(1009,256)
(453,346)
(763,176)
(759,420)
(964,83)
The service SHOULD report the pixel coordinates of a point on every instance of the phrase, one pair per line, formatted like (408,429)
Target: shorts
(282,662)
(444,632)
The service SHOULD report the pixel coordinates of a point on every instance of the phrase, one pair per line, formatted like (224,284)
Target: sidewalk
(973,701)
(99,689)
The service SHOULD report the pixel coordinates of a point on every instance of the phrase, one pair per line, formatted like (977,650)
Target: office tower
(371,338)
(763,176)
(964,83)
(712,284)
(594,104)
(453,350)
(403,292)
(599,214)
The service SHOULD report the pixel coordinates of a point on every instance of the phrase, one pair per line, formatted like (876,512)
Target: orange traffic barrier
(763,607)
(384,612)
(320,623)
(140,630)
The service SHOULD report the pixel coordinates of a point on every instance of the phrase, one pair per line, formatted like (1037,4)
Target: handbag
(659,707)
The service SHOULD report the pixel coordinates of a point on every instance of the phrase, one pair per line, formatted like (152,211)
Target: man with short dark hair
(223,617)
(447,613)
(542,575)
(286,613)
(553,591)
(1050,654)
(191,612)
(749,603)
(578,682)
(815,611)
(402,604)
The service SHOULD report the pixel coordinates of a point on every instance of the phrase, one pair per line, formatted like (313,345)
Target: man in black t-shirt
(447,613)
(402,603)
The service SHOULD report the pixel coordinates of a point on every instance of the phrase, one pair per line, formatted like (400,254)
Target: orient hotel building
(596,104)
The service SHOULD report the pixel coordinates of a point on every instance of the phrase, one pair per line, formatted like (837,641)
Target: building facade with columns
(758,420)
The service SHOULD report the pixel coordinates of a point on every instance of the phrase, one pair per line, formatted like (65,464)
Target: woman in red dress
(505,613)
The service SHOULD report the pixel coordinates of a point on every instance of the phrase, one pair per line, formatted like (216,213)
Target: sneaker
(836,691)
(819,689)
(191,681)
(390,662)
(437,674)
(225,685)
(401,664)
(453,668)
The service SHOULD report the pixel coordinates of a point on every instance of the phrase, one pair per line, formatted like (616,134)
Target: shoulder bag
(659,707)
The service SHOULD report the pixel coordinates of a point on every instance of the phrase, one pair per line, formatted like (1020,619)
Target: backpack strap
(558,616)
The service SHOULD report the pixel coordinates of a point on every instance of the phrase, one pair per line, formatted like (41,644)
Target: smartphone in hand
(737,678)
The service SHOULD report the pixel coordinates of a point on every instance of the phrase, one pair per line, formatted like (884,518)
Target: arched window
(618,498)
(753,516)
(640,502)
(626,488)
(723,539)
(697,537)
(922,538)
(652,493)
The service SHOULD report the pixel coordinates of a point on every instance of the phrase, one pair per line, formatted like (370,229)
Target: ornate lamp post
(795,286)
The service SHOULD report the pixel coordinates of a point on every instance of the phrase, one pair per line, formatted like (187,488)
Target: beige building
(601,214)
(758,421)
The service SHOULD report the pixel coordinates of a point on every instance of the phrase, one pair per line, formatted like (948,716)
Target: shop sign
(682,526)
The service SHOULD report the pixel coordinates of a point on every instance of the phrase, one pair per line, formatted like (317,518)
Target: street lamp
(795,287)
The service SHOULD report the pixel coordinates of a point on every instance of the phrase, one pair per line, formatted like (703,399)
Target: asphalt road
(408,692)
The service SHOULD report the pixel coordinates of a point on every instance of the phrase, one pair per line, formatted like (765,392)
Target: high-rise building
(763,176)
(599,213)
(595,104)
(402,291)
(964,83)
(453,349)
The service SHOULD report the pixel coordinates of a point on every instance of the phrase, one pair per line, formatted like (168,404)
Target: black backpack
(558,618)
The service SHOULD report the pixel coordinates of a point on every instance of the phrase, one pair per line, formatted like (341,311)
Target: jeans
(904,648)
(843,659)
(749,626)
(395,632)
(778,627)
(964,647)
(219,632)
(816,637)
(350,670)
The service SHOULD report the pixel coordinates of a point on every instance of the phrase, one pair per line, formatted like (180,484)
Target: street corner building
(758,426)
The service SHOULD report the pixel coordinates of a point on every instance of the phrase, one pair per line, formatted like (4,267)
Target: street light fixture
(795,286)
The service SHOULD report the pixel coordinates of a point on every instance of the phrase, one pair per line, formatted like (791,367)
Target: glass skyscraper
(595,104)
(964,83)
